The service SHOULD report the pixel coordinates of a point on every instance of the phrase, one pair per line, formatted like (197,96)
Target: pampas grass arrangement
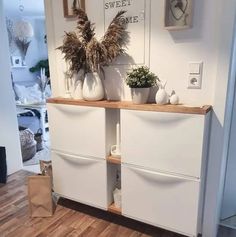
(82,51)
(23,31)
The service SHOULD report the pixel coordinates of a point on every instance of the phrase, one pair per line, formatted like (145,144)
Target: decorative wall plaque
(137,17)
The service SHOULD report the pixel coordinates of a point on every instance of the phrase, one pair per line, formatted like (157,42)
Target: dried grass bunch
(23,45)
(84,52)
(23,31)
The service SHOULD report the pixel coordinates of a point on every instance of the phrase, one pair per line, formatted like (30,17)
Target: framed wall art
(68,5)
(178,14)
(16,61)
(137,17)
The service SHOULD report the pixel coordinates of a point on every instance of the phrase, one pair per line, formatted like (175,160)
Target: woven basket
(38,137)
(28,152)
(28,144)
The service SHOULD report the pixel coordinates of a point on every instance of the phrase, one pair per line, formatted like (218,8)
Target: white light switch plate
(195,67)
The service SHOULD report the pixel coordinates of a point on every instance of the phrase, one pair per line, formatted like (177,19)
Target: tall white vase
(93,89)
(77,90)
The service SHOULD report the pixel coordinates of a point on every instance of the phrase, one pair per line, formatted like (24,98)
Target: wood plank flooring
(70,219)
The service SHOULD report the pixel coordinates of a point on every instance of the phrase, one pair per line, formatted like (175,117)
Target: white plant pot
(93,88)
(140,95)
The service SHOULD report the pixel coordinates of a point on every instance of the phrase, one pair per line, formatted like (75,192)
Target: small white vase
(93,88)
(174,99)
(162,97)
(140,95)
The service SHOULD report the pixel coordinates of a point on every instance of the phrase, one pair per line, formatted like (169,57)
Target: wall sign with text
(138,19)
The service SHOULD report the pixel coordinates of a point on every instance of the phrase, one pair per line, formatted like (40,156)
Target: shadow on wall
(215,166)
(115,87)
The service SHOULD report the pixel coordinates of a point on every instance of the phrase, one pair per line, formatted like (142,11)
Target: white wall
(170,52)
(210,41)
(224,92)
(9,136)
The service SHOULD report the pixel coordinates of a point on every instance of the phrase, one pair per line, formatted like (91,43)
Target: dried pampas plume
(82,51)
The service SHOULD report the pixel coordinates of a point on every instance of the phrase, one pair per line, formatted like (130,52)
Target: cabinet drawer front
(163,141)
(167,201)
(77,129)
(80,179)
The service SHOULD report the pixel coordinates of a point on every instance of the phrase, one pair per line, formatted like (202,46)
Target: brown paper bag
(40,196)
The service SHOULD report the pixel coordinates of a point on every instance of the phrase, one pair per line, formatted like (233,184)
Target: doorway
(25,21)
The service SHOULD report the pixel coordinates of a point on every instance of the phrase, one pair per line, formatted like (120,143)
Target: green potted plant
(140,80)
(39,65)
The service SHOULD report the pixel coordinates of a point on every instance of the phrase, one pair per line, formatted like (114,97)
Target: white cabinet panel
(163,200)
(163,141)
(80,179)
(77,130)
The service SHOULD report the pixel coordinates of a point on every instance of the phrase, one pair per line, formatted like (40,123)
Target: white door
(163,141)
(163,200)
(80,179)
(77,129)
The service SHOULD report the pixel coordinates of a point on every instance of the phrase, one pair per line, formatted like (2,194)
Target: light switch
(195,67)
(195,75)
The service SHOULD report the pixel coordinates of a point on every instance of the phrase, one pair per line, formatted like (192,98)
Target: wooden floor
(70,219)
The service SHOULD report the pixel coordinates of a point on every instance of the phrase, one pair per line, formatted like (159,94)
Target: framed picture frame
(16,61)
(67,7)
(178,14)
(138,15)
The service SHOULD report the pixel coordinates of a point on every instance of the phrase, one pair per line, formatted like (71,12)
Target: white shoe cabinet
(163,163)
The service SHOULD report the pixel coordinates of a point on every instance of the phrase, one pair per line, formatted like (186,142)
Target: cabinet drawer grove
(163,141)
(80,179)
(77,129)
(163,200)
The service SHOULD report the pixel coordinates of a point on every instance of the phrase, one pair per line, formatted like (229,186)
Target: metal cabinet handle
(155,117)
(74,111)
(77,159)
(162,178)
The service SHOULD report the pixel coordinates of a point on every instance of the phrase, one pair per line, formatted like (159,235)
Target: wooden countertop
(130,106)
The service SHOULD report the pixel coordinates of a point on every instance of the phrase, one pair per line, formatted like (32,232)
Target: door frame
(221,120)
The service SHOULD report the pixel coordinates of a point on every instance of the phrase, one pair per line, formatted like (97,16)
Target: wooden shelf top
(114,160)
(112,208)
(130,106)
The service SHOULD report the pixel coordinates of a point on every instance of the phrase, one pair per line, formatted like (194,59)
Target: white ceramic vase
(174,99)
(162,97)
(140,95)
(77,92)
(93,89)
